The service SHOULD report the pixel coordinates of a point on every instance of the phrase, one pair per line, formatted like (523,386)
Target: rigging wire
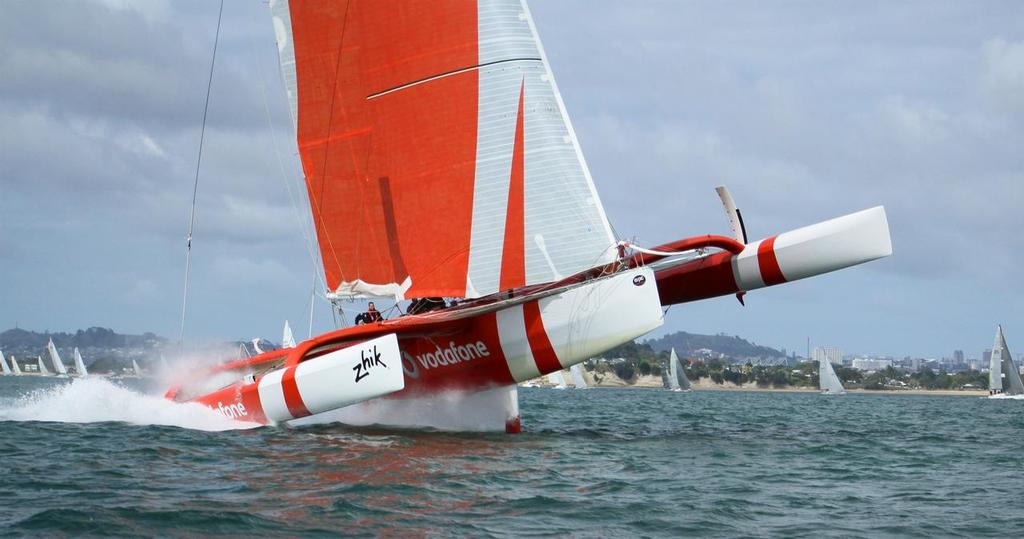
(195,186)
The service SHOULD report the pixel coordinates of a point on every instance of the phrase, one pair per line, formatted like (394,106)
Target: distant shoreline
(705,385)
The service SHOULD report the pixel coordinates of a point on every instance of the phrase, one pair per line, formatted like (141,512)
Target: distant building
(958,356)
(830,353)
(870,364)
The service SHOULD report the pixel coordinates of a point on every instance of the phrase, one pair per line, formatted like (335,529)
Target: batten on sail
(437,152)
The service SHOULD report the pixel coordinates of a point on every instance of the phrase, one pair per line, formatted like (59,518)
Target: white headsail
(677,380)
(556,379)
(4,369)
(577,376)
(136,368)
(80,364)
(1003,376)
(42,367)
(14,366)
(55,358)
(287,339)
(827,378)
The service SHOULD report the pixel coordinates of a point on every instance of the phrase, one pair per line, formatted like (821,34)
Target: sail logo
(232,411)
(367,362)
(453,354)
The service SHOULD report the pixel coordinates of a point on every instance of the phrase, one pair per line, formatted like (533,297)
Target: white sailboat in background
(287,339)
(136,368)
(828,379)
(43,371)
(55,358)
(677,380)
(1003,377)
(4,369)
(14,366)
(557,380)
(577,376)
(80,369)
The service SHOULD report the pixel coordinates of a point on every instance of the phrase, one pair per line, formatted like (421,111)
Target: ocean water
(93,457)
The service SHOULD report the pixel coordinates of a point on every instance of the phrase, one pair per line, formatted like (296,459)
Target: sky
(806,110)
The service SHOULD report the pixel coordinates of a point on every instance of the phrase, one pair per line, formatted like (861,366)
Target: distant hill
(105,350)
(734,347)
(94,337)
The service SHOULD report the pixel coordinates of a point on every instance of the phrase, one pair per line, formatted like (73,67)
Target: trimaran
(439,161)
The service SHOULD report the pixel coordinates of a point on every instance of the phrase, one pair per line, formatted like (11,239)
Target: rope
(195,186)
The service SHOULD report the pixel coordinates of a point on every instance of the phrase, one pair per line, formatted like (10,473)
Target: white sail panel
(287,338)
(42,367)
(55,357)
(556,379)
(3,365)
(80,364)
(565,228)
(673,370)
(14,366)
(1003,374)
(577,376)
(828,380)
(136,368)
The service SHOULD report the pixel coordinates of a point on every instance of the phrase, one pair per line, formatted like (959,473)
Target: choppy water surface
(81,459)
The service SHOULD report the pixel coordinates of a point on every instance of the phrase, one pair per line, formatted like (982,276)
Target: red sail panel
(513,256)
(388,150)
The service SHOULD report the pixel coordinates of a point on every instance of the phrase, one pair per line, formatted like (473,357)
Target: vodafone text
(453,354)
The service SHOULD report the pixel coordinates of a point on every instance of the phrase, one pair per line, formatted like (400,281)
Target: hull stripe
(540,345)
(292,398)
(771,273)
(515,345)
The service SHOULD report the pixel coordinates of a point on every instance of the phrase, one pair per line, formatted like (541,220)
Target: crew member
(370,316)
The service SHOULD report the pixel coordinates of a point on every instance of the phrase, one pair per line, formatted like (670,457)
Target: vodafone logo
(232,411)
(443,357)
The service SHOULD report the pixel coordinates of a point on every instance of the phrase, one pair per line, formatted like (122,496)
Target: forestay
(437,152)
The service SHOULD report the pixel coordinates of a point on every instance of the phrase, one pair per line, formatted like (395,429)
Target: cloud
(1004,74)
